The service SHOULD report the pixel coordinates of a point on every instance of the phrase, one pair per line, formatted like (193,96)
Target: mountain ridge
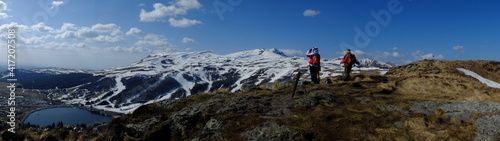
(163,76)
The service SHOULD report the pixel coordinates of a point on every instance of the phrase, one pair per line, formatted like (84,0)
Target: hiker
(314,64)
(348,61)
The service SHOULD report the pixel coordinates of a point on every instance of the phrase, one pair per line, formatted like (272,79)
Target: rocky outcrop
(487,128)
(270,131)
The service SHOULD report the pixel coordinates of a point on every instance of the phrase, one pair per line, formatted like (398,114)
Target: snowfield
(480,78)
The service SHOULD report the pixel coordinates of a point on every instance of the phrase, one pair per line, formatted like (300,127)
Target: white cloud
(386,55)
(56,46)
(55,4)
(429,56)
(19,27)
(161,11)
(66,35)
(178,8)
(393,54)
(292,52)
(188,40)
(106,39)
(34,40)
(154,37)
(86,32)
(3,7)
(105,27)
(458,48)
(134,31)
(3,15)
(153,40)
(395,48)
(183,22)
(189,4)
(310,13)
(101,33)
(117,32)
(358,52)
(67,27)
(155,43)
(128,50)
(396,54)
(66,45)
(40,27)
(98,44)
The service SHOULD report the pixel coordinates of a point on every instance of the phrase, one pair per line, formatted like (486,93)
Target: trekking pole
(296,83)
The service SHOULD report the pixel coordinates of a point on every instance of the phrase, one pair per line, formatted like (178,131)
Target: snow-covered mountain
(375,63)
(165,76)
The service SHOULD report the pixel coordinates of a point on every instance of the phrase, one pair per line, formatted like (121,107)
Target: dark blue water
(69,116)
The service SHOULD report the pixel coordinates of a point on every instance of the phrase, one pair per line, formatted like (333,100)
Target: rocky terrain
(425,100)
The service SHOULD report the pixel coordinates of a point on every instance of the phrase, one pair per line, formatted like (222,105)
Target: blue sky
(92,34)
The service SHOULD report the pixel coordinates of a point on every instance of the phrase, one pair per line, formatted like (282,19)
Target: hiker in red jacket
(314,64)
(348,61)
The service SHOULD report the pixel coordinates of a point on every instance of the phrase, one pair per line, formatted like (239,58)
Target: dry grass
(440,81)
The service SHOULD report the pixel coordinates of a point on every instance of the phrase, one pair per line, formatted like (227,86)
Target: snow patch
(480,78)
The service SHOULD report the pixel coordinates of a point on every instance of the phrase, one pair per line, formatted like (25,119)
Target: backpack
(316,59)
(351,59)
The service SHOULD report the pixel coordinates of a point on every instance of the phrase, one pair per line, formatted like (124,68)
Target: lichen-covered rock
(138,129)
(487,128)
(465,110)
(364,100)
(270,131)
(188,117)
(242,105)
(391,108)
(425,107)
(247,87)
(212,130)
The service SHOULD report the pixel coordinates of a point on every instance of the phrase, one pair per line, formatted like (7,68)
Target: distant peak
(273,51)
(279,52)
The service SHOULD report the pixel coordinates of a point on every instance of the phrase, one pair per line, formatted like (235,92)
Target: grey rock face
(465,110)
(487,128)
(392,108)
(241,105)
(269,131)
(425,107)
(213,124)
(212,130)
(139,129)
(364,100)
(189,116)
(247,87)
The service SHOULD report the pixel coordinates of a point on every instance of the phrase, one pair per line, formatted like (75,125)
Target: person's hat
(348,50)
